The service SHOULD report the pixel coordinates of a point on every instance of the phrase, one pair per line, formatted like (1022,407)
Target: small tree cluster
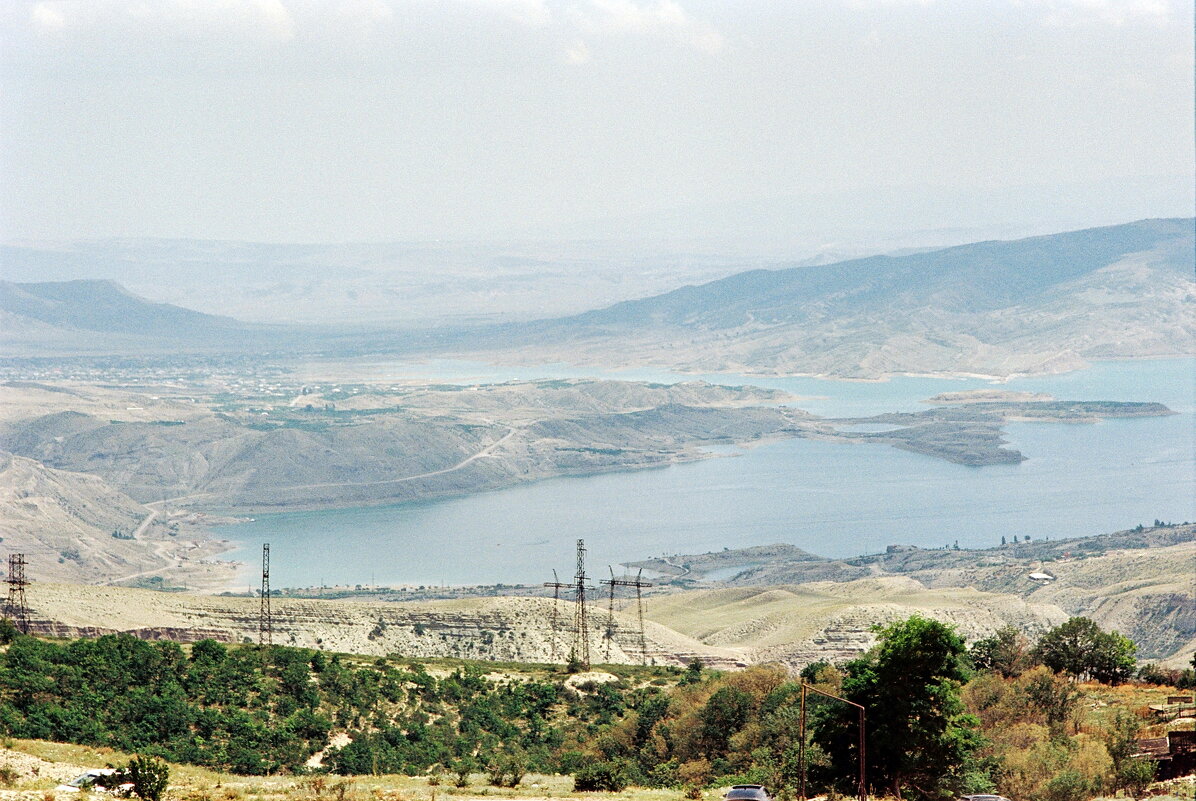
(1006,652)
(1080,649)
(507,769)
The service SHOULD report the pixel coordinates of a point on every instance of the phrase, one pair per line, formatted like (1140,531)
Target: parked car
(747,792)
(983,797)
(94,780)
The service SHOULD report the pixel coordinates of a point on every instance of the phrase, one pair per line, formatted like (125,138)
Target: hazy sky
(300,120)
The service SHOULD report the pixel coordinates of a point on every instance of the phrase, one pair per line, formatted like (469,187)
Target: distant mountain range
(107,307)
(1043,304)
(1031,305)
(102,316)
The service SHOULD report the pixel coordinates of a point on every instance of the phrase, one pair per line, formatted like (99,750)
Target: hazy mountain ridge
(383,284)
(1043,304)
(102,305)
(102,316)
(966,278)
(1039,305)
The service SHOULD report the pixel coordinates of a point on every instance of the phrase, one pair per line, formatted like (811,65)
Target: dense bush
(246,710)
(148,776)
(606,777)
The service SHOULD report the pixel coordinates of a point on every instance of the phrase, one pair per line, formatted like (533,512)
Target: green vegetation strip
(1006,715)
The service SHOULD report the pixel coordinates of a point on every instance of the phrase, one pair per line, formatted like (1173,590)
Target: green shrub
(1135,775)
(607,777)
(1067,786)
(148,775)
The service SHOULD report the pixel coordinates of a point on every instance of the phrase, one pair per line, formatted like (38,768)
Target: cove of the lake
(829,498)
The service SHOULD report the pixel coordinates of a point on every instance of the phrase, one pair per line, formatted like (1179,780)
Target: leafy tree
(1068,785)
(1129,774)
(809,673)
(724,715)
(1006,652)
(1135,776)
(1079,648)
(919,740)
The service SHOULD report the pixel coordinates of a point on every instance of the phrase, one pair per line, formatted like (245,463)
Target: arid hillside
(1141,582)
(76,527)
(496,629)
(799,624)
(728,627)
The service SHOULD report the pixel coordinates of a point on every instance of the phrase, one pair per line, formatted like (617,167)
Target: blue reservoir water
(830,498)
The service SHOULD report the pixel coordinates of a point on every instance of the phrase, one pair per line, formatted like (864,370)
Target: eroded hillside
(1140,582)
(726,627)
(76,527)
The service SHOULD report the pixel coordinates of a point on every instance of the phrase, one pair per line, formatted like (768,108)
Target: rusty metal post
(862,787)
(802,744)
(863,790)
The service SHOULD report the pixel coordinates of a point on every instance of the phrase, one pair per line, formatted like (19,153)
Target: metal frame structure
(265,623)
(639,584)
(557,585)
(862,786)
(16,608)
(581,622)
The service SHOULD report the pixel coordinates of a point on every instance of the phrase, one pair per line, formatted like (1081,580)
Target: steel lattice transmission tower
(265,623)
(581,623)
(639,584)
(557,586)
(16,608)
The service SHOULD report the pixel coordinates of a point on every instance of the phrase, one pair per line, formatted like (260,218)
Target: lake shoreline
(1077,479)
